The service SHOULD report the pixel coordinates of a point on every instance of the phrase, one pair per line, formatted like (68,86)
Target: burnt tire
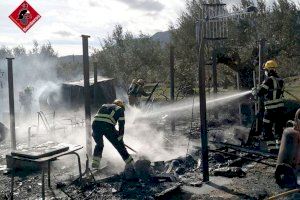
(285,176)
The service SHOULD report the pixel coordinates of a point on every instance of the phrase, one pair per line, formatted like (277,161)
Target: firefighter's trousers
(273,116)
(134,100)
(101,129)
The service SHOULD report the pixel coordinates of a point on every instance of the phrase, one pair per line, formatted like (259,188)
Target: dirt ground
(259,183)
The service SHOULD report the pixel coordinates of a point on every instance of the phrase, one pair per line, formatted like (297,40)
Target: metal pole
(260,76)
(215,79)
(214,71)
(87,102)
(95,84)
(256,104)
(261,59)
(238,88)
(11,103)
(201,68)
(172,83)
(172,79)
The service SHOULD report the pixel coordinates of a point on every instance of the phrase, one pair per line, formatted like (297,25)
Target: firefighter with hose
(136,91)
(271,91)
(104,125)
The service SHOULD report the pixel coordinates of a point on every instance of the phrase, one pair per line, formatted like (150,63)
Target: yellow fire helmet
(271,64)
(120,103)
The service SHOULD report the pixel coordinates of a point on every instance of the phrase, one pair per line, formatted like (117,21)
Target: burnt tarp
(70,95)
(73,92)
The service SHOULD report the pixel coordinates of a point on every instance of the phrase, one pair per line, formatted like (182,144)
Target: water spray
(187,104)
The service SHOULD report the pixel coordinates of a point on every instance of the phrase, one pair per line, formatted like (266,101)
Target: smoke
(151,142)
(35,71)
(142,130)
(141,135)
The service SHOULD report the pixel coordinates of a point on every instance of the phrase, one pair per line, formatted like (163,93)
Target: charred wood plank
(247,150)
(168,192)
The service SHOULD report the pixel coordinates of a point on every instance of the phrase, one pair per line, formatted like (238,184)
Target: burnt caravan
(70,95)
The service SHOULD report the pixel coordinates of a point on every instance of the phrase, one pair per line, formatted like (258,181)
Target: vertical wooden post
(87,96)
(11,103)
(172,83)
(201,69)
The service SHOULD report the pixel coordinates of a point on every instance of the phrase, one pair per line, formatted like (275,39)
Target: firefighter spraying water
(271,91)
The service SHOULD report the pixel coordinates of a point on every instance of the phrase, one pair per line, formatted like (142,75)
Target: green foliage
(69,70)
(278,24)
(45,50)
(5,52)
(185,47)
(125,57)
(19,51)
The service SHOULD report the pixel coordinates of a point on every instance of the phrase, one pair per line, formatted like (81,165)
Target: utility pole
(172,83)
(87,101)
(11,103)
(215,78)
(214,71)
(211,26)
(201,70)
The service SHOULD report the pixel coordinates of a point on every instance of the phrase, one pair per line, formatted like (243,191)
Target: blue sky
(63,21)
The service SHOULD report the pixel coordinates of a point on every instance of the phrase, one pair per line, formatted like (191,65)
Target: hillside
(162,37)
(71,58)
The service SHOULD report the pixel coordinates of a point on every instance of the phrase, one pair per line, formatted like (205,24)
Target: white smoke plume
(34,71)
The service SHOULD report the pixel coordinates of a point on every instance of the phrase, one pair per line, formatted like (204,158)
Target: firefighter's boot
(129,171)
(96,162)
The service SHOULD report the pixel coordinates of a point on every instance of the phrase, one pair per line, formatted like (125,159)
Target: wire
(191,127)
(201,42)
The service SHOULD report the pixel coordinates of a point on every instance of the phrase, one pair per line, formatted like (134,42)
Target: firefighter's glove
(254,91)
(120,138)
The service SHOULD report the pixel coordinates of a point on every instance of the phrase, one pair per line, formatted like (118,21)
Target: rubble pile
(161,179)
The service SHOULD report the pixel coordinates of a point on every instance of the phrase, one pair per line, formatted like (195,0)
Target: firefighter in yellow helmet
(271,91)
(135,91)
(104,125)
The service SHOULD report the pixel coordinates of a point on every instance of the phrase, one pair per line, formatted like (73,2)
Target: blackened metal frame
(44,163)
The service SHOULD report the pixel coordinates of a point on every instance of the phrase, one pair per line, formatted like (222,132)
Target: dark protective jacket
(111,114)
(272,90)
(137,90)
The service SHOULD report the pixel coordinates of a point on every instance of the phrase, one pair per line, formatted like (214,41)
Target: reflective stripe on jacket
(272,90)
(111,113)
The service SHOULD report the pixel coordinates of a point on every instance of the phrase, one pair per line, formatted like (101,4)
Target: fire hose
(289,93)
(284,194)
(130,148)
